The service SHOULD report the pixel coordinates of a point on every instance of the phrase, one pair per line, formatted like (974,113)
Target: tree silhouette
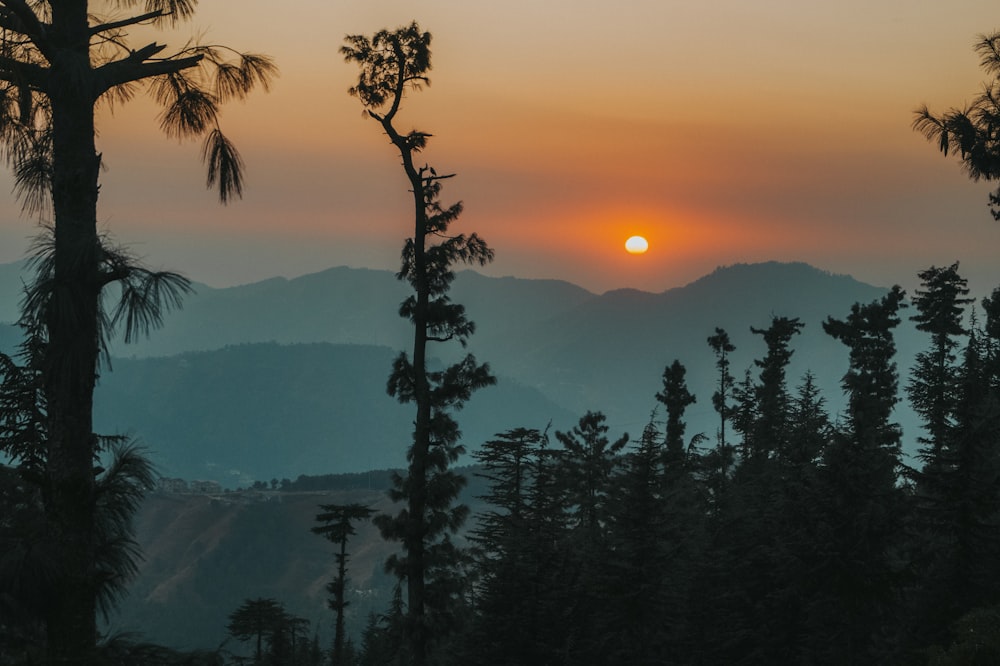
(767,433)
(719,461)
(872,381)
(33,566)
(860,499)
(722,348)
(58,62)
(589,459)
(508,603)
(957,502)
(257,620)
(970,132)
(940,308)
(588,463)
(391,63)
(338,526)
(676,398)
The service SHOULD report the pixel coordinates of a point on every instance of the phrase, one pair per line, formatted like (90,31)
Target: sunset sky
(723,132)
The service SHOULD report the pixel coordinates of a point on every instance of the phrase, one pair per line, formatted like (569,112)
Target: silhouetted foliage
(676,398)
(970,132)
(391,63)
(818,545)
(932,388)
(32,570)
(861,504)
(61,60)
(810,551)
(765,436)
(338,526)
(512,573)
(276,636)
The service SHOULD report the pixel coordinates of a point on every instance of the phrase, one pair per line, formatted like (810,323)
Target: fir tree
(676,398)
(932,388)
(589,458)
(959,502)
(508,603)
(588,461)
(257,621)
(862,508)
(767,434)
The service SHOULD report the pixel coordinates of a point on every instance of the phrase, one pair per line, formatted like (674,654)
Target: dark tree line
(276,637)
(795,537)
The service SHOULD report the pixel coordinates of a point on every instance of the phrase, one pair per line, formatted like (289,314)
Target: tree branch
(31,26)
(134,67)
(20,73)
(124,23)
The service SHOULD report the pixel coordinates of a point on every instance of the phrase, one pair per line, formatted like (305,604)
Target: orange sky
(724,133)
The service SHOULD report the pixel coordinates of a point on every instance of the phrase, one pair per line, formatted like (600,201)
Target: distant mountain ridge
(342,305)
(559,350)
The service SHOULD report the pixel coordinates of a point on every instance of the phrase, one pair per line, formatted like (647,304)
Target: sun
(636,245)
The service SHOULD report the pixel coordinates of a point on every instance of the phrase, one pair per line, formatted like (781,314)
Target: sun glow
(636,245)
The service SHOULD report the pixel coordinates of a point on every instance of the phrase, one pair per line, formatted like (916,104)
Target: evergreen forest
(791,537)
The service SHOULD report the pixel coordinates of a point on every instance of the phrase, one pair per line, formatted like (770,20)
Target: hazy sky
(724,132)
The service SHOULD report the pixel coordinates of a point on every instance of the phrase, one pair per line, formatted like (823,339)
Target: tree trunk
(71,356)
(421,443)
(338,632)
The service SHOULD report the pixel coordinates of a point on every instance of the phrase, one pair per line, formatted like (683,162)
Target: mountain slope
(203,556)
(260,411)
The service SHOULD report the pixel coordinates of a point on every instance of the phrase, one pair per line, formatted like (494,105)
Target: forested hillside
(203,555)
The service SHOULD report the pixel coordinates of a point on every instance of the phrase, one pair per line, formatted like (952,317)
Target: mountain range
(287,376)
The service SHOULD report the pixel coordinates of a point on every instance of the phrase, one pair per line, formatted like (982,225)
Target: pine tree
(258,621)
(861,507)
(392,62)
(338,526)
(745,414)
(507,603)
(767,434)
(655,538)
(588,461)
(31,569)
(719,462)
(932,388)
(676,398)
(722,347)
(589,458)
(970,132)
(959,506)
(636,609)
(809,429)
